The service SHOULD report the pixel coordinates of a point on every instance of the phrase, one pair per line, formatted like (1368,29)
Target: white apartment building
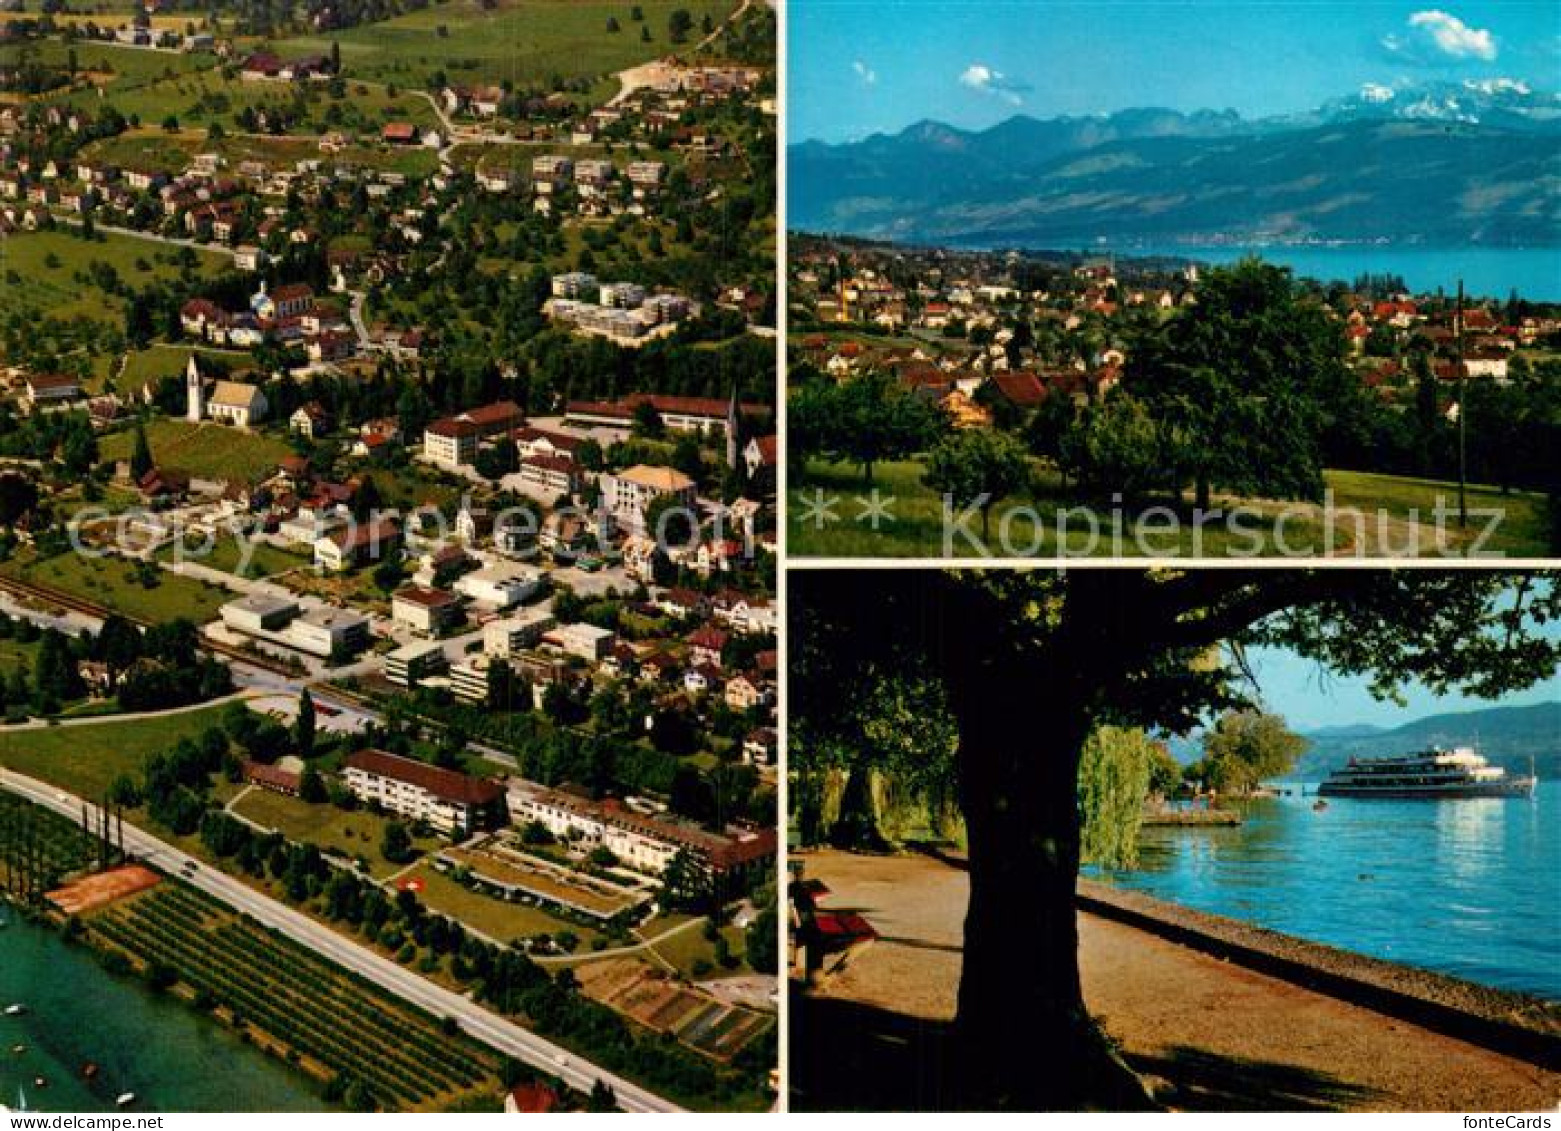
(516,633)
(501,586)
(455,804)
(629,494)
(583,640)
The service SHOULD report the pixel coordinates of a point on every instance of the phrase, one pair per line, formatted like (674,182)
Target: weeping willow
(1113,785)
(882,776)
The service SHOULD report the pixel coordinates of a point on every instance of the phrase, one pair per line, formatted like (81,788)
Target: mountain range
(1508,736)
(1440,164)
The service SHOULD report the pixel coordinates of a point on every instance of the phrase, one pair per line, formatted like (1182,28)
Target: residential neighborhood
(379,430)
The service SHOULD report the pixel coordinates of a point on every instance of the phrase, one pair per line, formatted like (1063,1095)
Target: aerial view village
(388,555)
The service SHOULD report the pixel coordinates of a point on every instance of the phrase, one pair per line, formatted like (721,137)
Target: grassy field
(106,66)
(112,582)
(350,834)
(46,271)
(495,918)
(208,451)
(225,554)
(86,759)
(158,361)
(693,955)
(1372,515)
(201,99)
(524,41)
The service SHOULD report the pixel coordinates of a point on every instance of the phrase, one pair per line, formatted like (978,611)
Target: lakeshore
(1207,1034)
(172,1057)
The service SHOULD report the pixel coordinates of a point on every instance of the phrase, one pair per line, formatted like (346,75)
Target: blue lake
(172,1057)
(1470,888)
(1535,273)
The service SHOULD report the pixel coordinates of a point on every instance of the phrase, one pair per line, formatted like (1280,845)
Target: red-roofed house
(454,803)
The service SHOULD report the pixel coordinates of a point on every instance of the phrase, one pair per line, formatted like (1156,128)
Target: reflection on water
(1467,887)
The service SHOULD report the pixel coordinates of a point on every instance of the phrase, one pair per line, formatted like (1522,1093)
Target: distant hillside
(1441,166)
(1507,736)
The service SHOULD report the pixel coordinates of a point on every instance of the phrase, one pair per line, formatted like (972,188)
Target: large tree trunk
(1023,1037)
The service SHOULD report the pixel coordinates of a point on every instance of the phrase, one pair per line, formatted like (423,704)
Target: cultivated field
(338,1026)
(38,844)
(651,998)
(207,451)
(226,554)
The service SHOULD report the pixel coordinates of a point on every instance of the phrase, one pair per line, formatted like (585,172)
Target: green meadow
(47,271)
(523,41)
(1372,514)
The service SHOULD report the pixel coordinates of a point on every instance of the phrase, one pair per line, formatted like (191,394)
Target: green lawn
(687,949)
(524,41)
(208,451)
(150,365)
(107,66)
(46,271)
(353,834)
(199,100)
(86,759)
(495,918)
(225,554)
(916,525)
(112,582)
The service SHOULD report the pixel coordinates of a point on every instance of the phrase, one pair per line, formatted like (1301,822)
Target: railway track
(31,591)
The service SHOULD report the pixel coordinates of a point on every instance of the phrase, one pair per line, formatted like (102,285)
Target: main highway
(482,1024)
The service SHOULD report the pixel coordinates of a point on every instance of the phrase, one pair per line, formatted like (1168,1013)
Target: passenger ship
(1431,773)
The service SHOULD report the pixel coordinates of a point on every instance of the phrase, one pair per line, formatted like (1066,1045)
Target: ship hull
(1515,787)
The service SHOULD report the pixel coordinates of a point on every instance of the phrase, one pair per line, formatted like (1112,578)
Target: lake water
(171,1057)
(1470,888)
(1489,272)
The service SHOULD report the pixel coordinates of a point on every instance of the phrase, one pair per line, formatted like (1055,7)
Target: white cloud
(977,76)
(1376,92)
(984,80)
(865,73)
(1434,32)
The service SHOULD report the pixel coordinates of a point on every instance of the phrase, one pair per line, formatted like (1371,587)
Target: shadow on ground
(1197,1080)
(846,1056)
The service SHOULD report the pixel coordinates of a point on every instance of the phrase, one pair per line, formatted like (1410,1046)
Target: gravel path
(1209,1034)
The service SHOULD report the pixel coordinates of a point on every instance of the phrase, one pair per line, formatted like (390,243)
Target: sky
(1309,697)
(857,68)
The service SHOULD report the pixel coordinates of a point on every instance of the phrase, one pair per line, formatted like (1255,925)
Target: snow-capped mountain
(1509,103)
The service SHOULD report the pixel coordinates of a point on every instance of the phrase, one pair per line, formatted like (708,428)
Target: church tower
(733,430)
(196,390)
